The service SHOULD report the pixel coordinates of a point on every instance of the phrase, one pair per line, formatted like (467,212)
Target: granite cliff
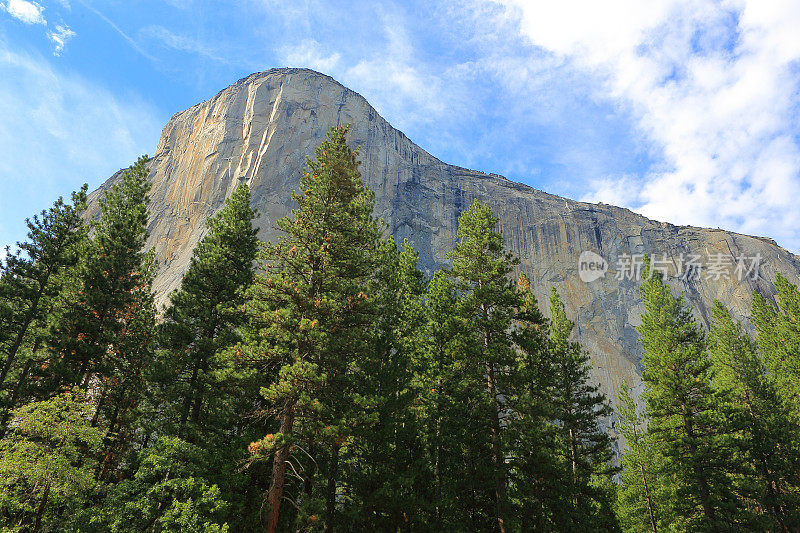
(259,130)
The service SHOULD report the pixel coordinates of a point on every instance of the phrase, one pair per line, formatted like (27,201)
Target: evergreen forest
(322,382)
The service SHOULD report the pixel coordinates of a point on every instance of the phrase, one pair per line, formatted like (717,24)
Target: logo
(591,266)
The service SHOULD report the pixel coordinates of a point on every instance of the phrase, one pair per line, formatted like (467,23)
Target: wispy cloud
(311,54)
(24,11)
(183,43)
(404,82)
(714,89)
(59,130)
(457,78)
(117,29)
(391,76)
(59,37)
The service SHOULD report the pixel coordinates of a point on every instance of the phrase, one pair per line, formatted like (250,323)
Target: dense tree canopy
(323,383)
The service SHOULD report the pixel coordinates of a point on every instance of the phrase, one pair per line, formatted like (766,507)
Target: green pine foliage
(518,400)
(488,302)
(30,282)
(202,320)
(582,446)
(642,498)
(778,328)
(198,391)
(114,290)
(443,405)
(765,428)
(325,384)
(104,338)
(383,467)
(714,447)
(686,414)
(311,326)
(47,464)
(536,474)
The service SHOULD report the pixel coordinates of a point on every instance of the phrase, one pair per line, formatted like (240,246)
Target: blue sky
(685,111)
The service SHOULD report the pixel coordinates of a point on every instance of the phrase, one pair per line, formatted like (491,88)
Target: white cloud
(310,54)
(32,13)
(117,29)
(391,77)
(24,11)
(183,43)
(60,36)
(58,131)
(714,88)
(399,79)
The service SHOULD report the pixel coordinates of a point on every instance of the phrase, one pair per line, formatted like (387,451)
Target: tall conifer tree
(104,336)
(203,315)
(583,446)
(686,416)
(766,431)
(641,493)
(536,475)
(481,268)
(312,317)
(445,409)
(30,281)
(384,467)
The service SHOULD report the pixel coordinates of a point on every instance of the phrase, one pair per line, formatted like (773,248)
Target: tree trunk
(437,468)
(275,494)
(330,504)
(37,524)
(649,500)
(770,485)
(499,461)
(187,401)
(108,445)
(202,366)
(100,403)
(197,404)
(12,352)
(702,482)
(14,396)
(308,483)
(573,455)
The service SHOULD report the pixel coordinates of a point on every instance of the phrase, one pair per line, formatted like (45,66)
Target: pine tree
(383,468)
(536,475)
(779,338)
(198,393)
(640,496)
(104,335)
(311,317)
(445,408)
(766,429)
(686,418)
(584,448)
(481,269)
(30,280)
(202,319)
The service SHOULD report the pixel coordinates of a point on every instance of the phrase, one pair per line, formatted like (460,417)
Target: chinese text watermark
(718,266)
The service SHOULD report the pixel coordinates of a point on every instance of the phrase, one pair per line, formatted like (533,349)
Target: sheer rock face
(260,130)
